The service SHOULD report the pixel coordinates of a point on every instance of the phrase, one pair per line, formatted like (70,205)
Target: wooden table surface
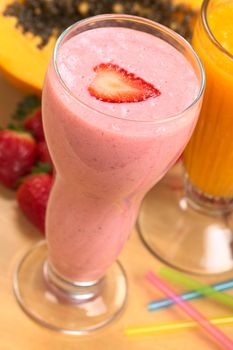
(18,332)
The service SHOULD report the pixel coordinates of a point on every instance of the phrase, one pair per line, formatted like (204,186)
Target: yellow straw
(172,326)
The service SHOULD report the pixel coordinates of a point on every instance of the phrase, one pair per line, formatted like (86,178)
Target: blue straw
(159,304)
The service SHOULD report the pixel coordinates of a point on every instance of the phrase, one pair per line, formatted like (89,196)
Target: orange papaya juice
(208,157)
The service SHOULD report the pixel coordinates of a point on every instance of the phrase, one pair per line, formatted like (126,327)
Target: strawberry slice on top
(116,85)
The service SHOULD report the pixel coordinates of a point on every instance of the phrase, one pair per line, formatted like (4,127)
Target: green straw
(179,278)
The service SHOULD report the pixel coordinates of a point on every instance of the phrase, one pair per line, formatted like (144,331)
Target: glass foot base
(181,236)
(80,309)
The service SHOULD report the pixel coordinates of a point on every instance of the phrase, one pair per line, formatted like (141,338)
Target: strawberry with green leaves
(17,156)
(32,197)
(28,114)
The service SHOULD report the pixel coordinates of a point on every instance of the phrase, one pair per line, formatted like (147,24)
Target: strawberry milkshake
(120,101)
(116,118)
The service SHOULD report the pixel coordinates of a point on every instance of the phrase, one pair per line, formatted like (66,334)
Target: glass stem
(70,291)
(206,203)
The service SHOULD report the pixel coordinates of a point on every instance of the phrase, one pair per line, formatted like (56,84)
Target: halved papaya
(21,61)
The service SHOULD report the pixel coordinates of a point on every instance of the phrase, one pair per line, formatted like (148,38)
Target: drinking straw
(172,326)
(219,336)
(174,276)
(159,304)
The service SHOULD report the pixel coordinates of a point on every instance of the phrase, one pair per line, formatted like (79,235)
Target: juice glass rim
(204,17)
(141,20)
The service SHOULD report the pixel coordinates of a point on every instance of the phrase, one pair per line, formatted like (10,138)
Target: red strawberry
(32,197)
(17,156)
(33,123)
(43,153)
(114,84)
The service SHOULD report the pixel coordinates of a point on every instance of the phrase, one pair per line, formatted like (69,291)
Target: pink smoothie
(108,155)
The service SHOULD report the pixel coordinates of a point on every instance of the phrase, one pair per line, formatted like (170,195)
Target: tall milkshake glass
(106,157)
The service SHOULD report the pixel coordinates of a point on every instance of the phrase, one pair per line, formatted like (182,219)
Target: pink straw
(220,337)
